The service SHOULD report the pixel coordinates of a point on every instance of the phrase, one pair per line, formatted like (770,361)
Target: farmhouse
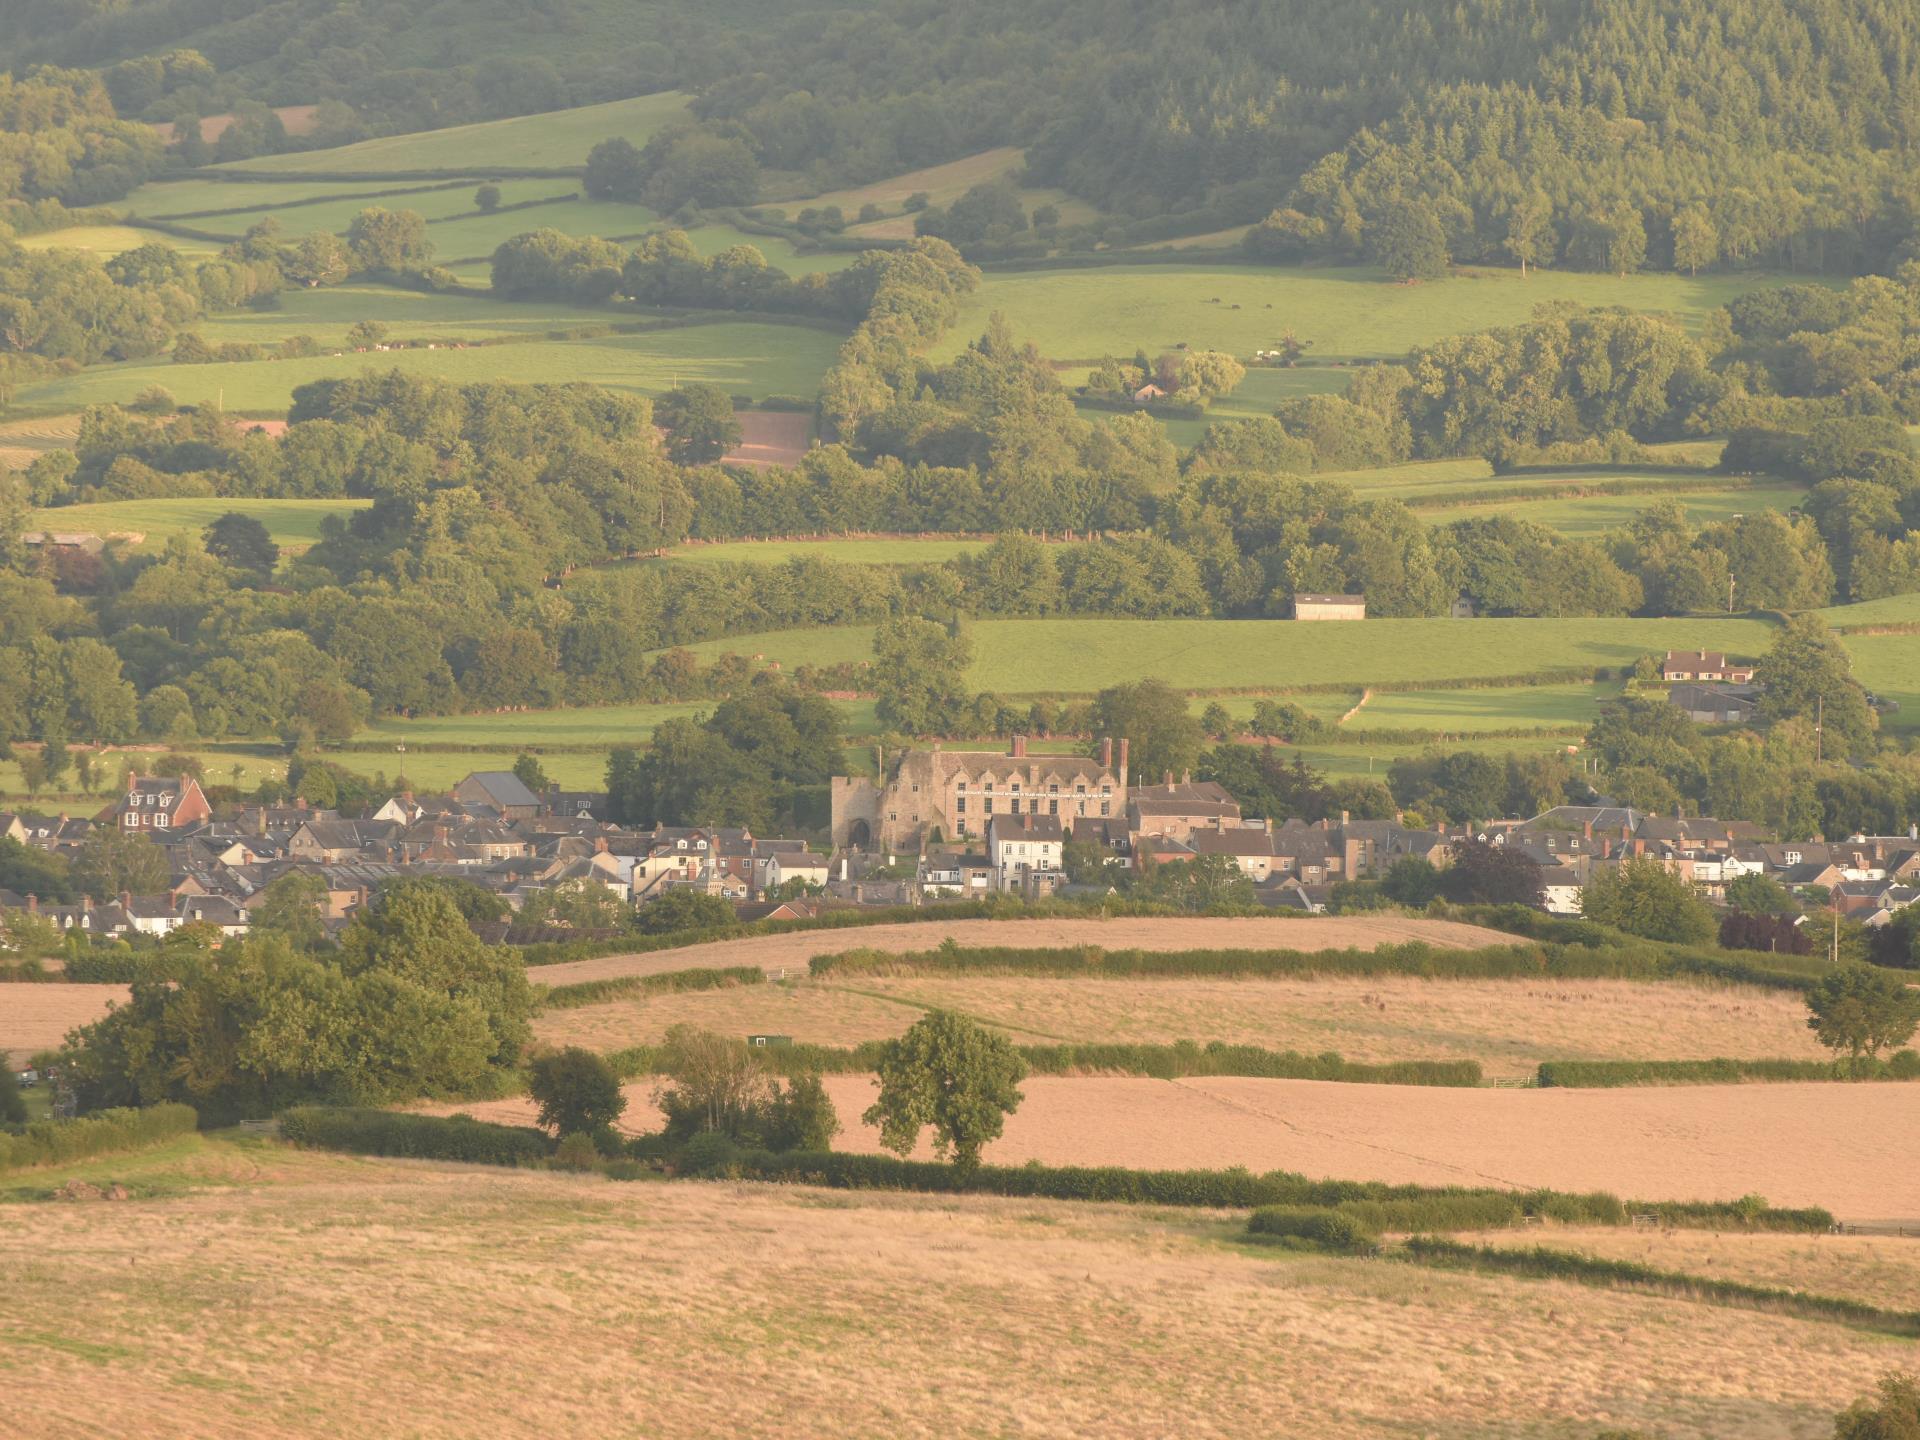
(1025,853)
(1329,607)
(1703,665)
(942,794)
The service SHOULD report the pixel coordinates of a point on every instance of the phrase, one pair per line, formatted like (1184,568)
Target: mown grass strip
(1544,1263)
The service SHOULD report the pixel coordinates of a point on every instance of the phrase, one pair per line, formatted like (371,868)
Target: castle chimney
(1186,777)
(1019,747)
(1106,753)
(33,904)
(1123,765)
(1167,778)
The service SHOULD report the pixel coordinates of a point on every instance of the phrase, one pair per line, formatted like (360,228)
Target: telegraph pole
(1729,594)
(1819,728)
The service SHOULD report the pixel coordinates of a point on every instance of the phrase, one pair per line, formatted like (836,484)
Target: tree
(321,258)
(13,1105)
(1530,230)
(683,908)
(290,906)
(1696,243)
(1411,881)
(527,770)
(1894,1414)
(1862,1011)
(950,1073)
(1642,897)
(487,198)
(577,1090)
(1779,934)
(715,1084)
(1481,874)
(700,423)
(1206,884)
(1808,675)
(1163,736)
(1217,722)
(1758,894)
(1408,242)
(389,241)
(242,542)
(614,171)
(919,674)
(110,862)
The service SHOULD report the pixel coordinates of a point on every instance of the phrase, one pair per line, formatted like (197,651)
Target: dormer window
(700,845)
(682,844)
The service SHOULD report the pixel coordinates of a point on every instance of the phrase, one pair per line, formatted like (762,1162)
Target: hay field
(1509,1026)
(791,951)
(37,1017)
(293,524)
(310,1295)
(1809,1144)
(1882,1270)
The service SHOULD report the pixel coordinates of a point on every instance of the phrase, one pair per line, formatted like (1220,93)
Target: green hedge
(56,1142)
(594,992)
(1612,1074)
(1327,1229)
(419,1137)
(102,965)
(1161,1062)
(1549,1264)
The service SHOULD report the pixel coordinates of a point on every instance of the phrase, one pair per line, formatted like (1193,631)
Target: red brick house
(1684,665)
(157,803)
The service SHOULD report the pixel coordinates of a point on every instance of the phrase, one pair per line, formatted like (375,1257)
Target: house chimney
(1186,777)
(33,904)
(126,899)
(1586,829)
(299,802)
(1343,817)
(1123,766)
(1106,753)
(86,904)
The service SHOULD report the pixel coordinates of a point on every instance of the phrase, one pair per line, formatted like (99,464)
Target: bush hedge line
(1160,1062)
(594,992)
(418,1137)
(1549,1264)
(56,1142)
(1612,1074)
(106,965)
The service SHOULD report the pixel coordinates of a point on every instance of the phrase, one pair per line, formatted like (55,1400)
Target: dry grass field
(792,951)
(1812,1144)
(1881,1270)
(37,1017)
(1509,1026)
(305,1296)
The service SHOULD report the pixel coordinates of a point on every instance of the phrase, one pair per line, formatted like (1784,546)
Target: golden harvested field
(792,951)
(37,1017)
(1510,1026)
(1881,1270)
(331,1295)
(1813,1144)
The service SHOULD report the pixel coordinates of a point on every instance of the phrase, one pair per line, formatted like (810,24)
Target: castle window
(1053,807)
(1106,789)
(960,806)
(1104,807)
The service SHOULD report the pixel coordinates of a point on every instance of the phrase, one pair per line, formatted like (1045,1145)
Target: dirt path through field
(37,1017)
(792,951)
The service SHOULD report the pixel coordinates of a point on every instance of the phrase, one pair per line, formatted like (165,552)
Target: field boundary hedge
(1638,960)
(594,992)
(417,1137)
(386,194)
(1158,1062)
(1616,1074)
(105,1132)
(460,173)
(1544,1263)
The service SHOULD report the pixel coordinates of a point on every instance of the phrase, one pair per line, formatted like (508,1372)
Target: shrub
(709,1154)
(419,1137)
(56,1142)
(1326,1229)
(576,1152)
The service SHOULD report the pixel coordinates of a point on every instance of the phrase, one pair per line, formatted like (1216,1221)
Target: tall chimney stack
(1106,753)
(1019,747)
(1123,767)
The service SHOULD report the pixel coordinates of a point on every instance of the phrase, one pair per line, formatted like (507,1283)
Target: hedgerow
(1549,1264)
(56,1142)
(1612,1074)
(1160,1062)
(594,992)
(419,1137)
(1327,1229)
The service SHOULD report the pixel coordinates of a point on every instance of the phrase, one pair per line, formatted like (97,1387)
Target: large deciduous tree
(952,1074)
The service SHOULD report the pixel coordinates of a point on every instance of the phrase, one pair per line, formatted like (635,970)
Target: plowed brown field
(37,1017)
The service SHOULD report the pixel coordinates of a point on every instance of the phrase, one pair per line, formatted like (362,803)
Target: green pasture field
(327,314)
(336,214)
(110,240)
(1081,656)
(554,139)
(1346,312)
(710,240)
(1889,666)
(742,357)
(1591,515)
(1375,760)
(1502,708)
(293,524)
(478,236)
(1893,610)
(166,199)
(942,184)
(1256,396)
(848,552)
